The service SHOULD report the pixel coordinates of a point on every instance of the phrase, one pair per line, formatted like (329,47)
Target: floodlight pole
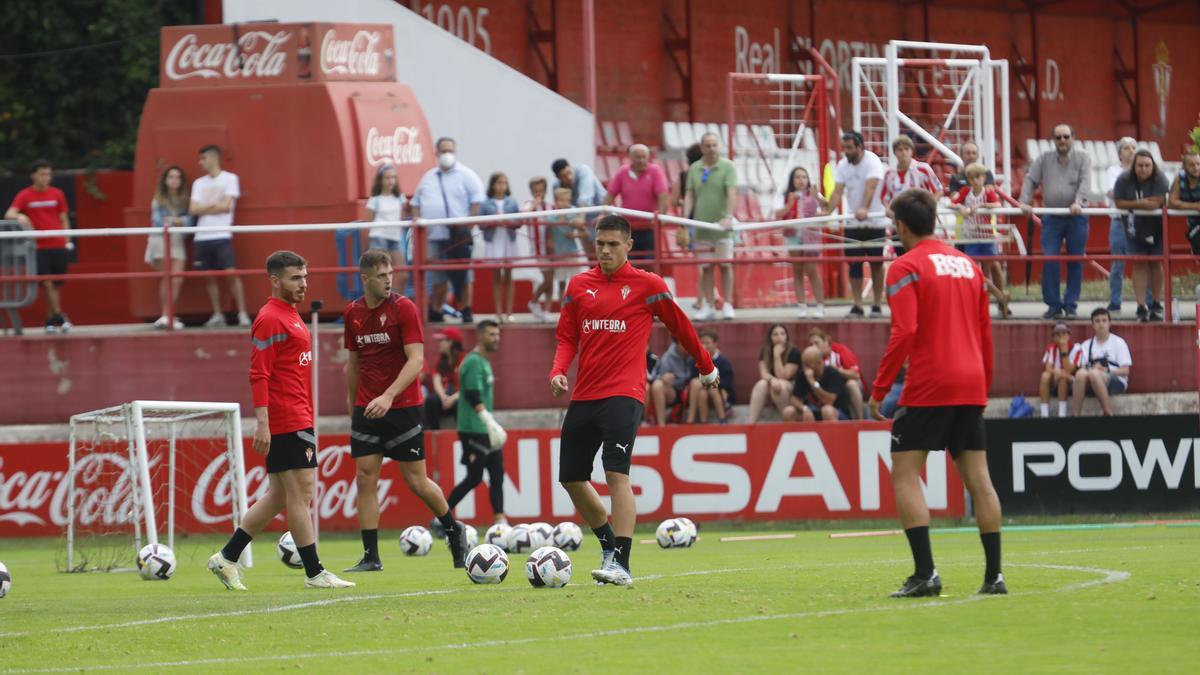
(316,351)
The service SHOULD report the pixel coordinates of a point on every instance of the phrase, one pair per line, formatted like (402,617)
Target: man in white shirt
(859,174)
(1104,363)
(213,198)
(449,190)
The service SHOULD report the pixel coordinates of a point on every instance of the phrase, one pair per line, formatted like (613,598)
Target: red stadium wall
(48,380)
(801,472)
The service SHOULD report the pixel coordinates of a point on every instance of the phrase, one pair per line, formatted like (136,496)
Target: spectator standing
(820,392)
(1104,365)
(563,234)
(802,199)
(169,208)
(449,190)
(1144,187)
(538,234)
(969,153)
(444,378)
(214,197)
(778,363)
(1064,176)
(501,242)
(668,380)
(858,176)
(1118,240)
(978,226)
(700,398)
(908,173)
(711,198)
(1185,195)
(387,204)
(43,207)
(641,186)
(841,358)
(1059,363)
(684,236)
(586,190)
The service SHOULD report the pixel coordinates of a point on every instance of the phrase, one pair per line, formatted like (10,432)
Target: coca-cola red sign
(225,55)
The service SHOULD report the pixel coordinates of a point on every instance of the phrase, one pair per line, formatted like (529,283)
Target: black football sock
(447,521)
(237,543)
(622,551)
(370,539)
(991,553)
(918,541)
(312,564)
(605,534)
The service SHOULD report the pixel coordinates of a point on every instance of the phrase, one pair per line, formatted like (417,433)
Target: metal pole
(1166,263)
(893,98)
(170,482)
(233,434)
(71,495)
(143,459)
(589,57)
(168,295)
(316,352)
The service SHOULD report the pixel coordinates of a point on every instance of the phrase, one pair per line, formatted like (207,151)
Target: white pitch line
(1107,577)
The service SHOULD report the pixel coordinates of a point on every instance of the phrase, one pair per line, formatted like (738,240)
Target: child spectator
(1104,363)
(500,242)
(801,199)
(820,392)
(668,380)
(842,359)
(719,399)
(538,235)
(977,226)
(778,363)
(1059,363)
(387,204)
(169,207)
(562,242)
(42,206)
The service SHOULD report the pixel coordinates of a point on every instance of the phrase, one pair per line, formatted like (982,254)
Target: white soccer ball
(541,534)
(288,553)
(5,580)
(497,535)
(673,533)
(692,529)
(416,540)
(472,536)
(156,562)
(548,567)
(520,539)
(487,564)
(568,536)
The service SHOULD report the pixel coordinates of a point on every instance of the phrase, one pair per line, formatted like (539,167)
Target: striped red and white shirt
(841,357)
(918,175)
(1051,356)
(977,225)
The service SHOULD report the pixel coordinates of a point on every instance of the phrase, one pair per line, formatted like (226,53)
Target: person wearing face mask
(450,190)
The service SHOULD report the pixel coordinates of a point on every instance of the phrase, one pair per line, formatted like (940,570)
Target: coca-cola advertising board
(391,130)
(764,472)
(275,53)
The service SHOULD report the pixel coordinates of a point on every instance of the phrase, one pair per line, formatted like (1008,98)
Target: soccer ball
(673,533)
(472,536)
(155,562)
(541,534)
(487,564)
(520,539)
(288,553)
(691,529)
(415,540)
(548,567)
(497,535)
(568,536)
(5,580)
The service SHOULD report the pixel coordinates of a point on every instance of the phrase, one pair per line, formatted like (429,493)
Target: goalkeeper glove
(497,436)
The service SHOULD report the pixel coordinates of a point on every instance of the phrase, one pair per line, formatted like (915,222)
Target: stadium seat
(1110,153)
(612,164)
(671,138)
(1031,149)
(698,130)
(608,132)
(624,135)
(687,136)
(741,139)
(1045,146)
(1156,152)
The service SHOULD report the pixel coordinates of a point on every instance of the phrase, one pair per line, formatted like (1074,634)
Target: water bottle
(1175,316)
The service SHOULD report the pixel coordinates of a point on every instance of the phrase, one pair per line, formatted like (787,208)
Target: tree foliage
(74,75)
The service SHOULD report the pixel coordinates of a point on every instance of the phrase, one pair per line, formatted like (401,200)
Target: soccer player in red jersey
(940,323)
(281,382)
(387,353)
(606,319)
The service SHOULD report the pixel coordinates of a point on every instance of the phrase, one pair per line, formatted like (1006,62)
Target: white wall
(502,120)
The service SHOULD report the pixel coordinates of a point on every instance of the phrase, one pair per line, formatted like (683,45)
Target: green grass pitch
(1104,600)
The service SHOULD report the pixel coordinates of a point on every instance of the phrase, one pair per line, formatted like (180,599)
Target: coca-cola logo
(401,146)
(103,492)
(256,54)
(357,56)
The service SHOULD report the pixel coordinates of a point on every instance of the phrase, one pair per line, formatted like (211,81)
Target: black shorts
(643,244)
(609,422)
(215,254)
(863,234)
(397,435)
(53,261)
(293,450)
(475,445)
(947,427)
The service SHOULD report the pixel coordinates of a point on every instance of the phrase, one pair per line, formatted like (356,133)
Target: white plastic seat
(671,136)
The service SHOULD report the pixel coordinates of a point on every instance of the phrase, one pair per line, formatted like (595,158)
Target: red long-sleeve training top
(281,366)
(606,319)
(941,324)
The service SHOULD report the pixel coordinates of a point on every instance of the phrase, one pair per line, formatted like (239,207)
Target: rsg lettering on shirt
(610,325)
(952,266)
(373,339)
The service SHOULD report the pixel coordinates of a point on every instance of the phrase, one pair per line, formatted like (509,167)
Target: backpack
(1020,408)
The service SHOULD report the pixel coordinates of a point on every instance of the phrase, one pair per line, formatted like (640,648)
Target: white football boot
(230,573)
(327,579)
(613,573)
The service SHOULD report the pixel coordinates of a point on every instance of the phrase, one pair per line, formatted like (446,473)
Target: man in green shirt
(712,193)
(481,437)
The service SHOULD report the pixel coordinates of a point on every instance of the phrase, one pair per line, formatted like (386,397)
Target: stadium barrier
(1072,465)
(834,248)
(733,472)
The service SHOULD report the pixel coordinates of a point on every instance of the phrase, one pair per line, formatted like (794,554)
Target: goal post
(145,470)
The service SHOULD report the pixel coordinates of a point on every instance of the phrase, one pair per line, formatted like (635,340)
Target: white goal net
(146,471)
